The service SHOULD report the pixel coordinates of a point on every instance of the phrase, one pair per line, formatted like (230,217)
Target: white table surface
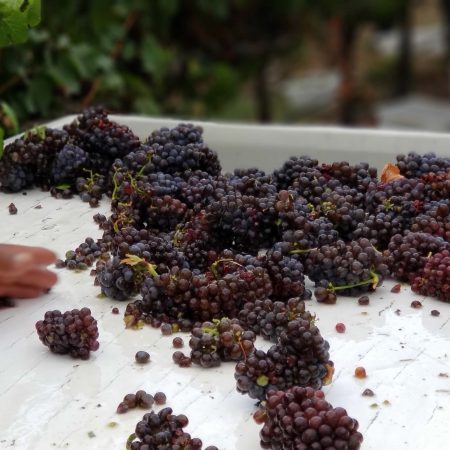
(50,401)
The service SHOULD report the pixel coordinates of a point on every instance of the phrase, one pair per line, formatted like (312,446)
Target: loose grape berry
(160,398)
(142,357)
(340,328)
(177,342)
(364,300)
(360,372)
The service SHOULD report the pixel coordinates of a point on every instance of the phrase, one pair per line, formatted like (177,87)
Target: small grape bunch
(269,318)
(164,430)
(73,332)
(301,418)
(220,340)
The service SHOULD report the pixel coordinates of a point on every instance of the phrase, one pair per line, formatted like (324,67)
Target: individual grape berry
(301,418)
(115,310)
(166,329)
(130,400)
(340,328)
(142,357)
(416,304)
(360,372)
(122,408)
(160,398)
(368,393)
(12,209)
(364,300)
(74,332)
(396,288)
(435,313)
(177,342)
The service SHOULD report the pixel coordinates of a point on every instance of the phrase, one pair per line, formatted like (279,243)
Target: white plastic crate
(50,401)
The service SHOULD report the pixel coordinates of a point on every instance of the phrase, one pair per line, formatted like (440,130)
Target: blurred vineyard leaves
(188,58)
(16,17)
(177,57)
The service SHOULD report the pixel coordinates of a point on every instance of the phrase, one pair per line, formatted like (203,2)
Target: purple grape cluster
(73,332)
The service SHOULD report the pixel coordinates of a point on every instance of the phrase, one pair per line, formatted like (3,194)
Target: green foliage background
(187,58)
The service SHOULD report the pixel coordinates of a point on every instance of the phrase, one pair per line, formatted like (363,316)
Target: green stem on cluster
(130,440)
(373,280)
(39,131)
(116,187)
(141,170)
(176,240)
(214,265)
(136,261)
(299,250)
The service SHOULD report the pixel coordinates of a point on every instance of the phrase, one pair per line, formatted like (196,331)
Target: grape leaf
(16,16)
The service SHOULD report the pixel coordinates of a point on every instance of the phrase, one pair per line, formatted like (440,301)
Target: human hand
(22,271)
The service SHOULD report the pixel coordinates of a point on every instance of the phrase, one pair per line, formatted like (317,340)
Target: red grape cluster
(74,332)
(301,418)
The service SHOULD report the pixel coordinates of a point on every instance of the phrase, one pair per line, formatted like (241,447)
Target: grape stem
(214,265)
(373,280)
(299,250)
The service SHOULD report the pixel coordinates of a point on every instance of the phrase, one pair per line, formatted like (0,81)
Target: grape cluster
(351,268)
(141,399)
(28,160)
(73,332)
(105,139)
(434,220)
(269,319)
(69,163)
(286,274)
(194,245)
(300,358)
(407,255)
(434,278)
(301,418)
(122,279)
(414,165)
(221,340)
(380,227)
(164,430)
